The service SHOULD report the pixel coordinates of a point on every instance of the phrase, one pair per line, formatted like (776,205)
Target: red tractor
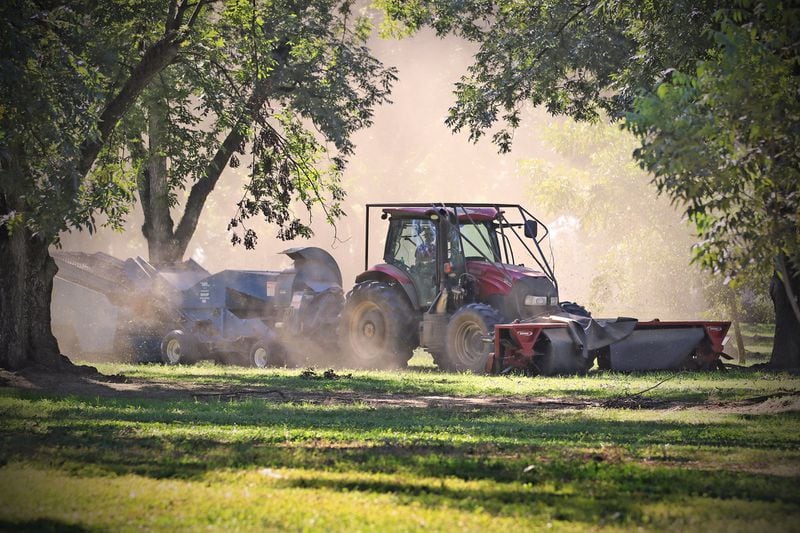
(449,274)
(451,281)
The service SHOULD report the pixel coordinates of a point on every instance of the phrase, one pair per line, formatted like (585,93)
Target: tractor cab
(444,262)
(467,254)
(430,249)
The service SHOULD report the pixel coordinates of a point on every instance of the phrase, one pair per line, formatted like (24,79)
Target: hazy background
(409,155)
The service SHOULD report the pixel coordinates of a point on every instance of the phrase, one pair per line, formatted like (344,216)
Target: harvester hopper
(103,305)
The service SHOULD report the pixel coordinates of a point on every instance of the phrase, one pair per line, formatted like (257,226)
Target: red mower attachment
(567,344)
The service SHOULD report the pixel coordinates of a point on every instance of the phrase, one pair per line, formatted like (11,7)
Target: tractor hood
(499,279)
(518,292)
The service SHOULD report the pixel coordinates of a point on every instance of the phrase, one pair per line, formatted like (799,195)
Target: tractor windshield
(511,232)
(479,242)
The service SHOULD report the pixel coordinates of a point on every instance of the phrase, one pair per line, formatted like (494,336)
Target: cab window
(411,242)
(478,242)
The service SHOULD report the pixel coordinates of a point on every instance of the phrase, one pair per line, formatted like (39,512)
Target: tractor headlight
(532,300)
(554,301)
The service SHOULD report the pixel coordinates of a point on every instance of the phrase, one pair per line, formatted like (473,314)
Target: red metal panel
(389,270)
(716,331)
(384,272)
(495,280)
(523,336)
(476,214)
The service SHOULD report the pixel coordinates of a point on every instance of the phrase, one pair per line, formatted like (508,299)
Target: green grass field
(242,449)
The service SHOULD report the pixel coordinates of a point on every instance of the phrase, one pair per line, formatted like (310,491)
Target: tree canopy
(69,73)
(270,89)
(722,139)
(79,82)
(576,59)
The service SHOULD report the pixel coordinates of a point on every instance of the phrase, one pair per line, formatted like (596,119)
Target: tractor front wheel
(378,327)
(466,347)
(178,347)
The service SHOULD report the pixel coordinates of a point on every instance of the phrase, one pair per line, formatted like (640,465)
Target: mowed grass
(713,457)
(422,378)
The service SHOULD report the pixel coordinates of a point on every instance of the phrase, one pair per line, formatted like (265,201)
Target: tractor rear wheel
(378,327)
(178,347)
(466,348)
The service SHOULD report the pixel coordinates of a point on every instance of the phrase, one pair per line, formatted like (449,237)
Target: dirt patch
(780,402)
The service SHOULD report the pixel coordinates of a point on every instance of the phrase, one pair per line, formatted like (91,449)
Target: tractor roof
(465,214)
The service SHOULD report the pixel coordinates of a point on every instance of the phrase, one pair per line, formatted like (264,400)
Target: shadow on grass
(42,524)
(167,383)
(581,504)
(281,422)
(187,440)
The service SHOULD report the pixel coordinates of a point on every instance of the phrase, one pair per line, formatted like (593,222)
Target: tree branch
(204,186)
(561,29)
(196,12)
(173,6)
(175,23)
(155,59)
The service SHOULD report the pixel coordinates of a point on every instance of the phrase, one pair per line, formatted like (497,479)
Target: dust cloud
(409,155)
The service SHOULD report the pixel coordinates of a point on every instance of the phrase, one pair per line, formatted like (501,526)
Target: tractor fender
(390,273)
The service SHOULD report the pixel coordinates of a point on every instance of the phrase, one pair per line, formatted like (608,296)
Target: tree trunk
(166,241)
(786,346)
(26,284)
(736,318)
(164,252)
(162,246)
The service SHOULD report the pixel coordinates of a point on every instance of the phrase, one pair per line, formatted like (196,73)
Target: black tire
(178,348)
(466,349)
(379,328)
(138,348)
(265,354)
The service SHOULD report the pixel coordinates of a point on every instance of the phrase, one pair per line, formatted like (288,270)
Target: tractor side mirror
(531,229)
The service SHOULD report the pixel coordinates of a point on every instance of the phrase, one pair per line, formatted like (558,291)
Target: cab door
(412,247)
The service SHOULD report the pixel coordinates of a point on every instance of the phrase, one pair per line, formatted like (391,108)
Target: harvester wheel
(466,348)
(178,347)
(265,354)
(378,326)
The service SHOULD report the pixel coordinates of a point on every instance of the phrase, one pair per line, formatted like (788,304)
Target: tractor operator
(426,250)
